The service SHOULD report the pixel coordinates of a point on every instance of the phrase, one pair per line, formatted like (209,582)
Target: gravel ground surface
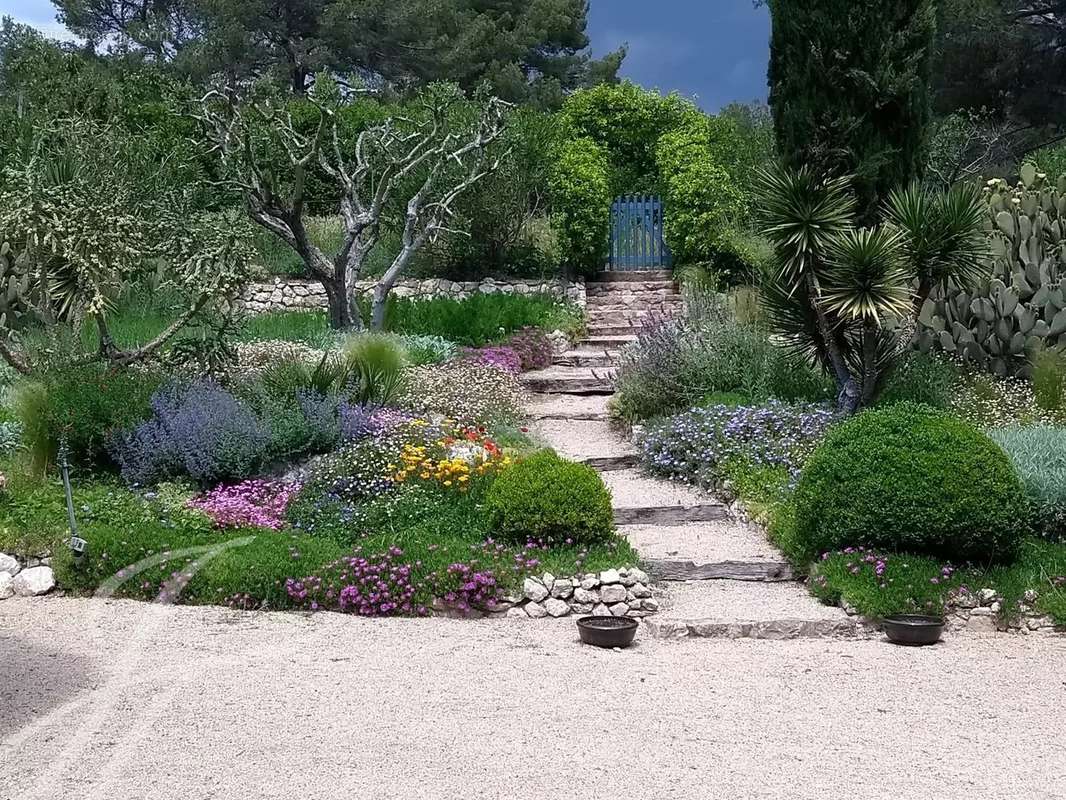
(559,404)
(581,439)
(632,489)
(743,601)
(126,700)
(702,542)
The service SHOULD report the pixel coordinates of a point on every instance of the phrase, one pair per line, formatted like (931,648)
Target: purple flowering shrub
(533,347)
(250,504)
(878,584)
(199,430)
(501,357)
(376,585)
(699,446)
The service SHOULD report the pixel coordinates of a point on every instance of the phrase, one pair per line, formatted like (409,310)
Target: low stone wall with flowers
(284,294)
(613,592)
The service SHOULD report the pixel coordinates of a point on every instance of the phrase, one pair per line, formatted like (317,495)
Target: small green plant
(909,478)
(549,500)
(921,378)
(290,375)
(374,367)
(1039,455)
(85,404)
(1049,379)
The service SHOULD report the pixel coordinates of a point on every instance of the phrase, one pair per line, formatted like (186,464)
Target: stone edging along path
(713,575)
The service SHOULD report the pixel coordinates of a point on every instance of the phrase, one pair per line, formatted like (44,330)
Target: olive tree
(422,162)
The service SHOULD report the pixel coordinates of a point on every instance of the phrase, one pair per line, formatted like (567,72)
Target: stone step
(670,516)
(632,276)
(634,300)
(777,630)
(677,570)
(607,342)
(634,319)
(735,610)
(587,358)
(596,329)
(569,380)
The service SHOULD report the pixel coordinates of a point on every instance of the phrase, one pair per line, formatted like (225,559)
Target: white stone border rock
(614,592)
(31,579)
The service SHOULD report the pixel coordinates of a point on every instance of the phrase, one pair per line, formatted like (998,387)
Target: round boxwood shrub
(547,499)
(913,479)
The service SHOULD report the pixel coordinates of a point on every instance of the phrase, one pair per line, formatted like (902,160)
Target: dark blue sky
(714,51)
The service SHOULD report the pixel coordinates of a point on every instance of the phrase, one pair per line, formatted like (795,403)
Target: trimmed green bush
(547,499)
(913,479)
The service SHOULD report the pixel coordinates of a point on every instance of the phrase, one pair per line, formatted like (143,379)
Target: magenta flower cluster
(472,588)
(501,357)
(250,504)
(859,558)
(370,586)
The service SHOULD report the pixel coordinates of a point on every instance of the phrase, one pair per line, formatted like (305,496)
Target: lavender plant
(199,430)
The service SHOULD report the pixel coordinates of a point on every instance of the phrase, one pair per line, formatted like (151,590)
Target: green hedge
(912,479)
(581,200)
(701,198)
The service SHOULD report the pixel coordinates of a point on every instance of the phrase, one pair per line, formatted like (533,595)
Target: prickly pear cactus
(15,290)
(1021,307)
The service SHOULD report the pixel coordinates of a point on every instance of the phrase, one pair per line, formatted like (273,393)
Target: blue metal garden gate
(637,234)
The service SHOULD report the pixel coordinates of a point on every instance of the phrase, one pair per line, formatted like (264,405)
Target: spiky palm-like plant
(838,289)
(943,235)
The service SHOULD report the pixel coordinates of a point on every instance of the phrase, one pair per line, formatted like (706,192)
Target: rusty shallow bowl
(913,629)
(607,631)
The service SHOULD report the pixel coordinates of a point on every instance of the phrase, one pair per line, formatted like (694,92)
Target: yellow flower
(447,483)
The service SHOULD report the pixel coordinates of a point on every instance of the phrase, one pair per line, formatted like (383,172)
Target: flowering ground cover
(304,469)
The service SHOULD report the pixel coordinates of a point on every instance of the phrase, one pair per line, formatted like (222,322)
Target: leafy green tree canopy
(849,89)
(527,51)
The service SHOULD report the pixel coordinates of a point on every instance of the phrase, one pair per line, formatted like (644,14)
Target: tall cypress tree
(850,89)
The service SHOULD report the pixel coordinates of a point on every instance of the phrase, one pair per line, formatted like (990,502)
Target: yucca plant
(839,294)
(944,238)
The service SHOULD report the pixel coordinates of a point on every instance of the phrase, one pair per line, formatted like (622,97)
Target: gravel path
(702,542)
(744,601)
(548,405)
(129,700)
(581,439)
(630,488)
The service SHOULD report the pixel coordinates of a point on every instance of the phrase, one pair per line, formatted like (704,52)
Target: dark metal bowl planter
(607,631)
(914,630)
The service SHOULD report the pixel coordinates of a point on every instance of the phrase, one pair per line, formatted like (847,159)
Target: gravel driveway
(127,700)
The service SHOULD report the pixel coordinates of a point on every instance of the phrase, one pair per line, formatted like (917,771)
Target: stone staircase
(618,303)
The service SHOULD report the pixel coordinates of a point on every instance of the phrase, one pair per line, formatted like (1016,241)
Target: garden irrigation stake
(77,544)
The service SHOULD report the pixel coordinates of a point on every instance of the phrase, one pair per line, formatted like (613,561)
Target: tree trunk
(380,307)
(847,389)
(343,311)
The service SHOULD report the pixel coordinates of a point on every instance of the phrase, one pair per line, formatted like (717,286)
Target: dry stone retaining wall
(298,295)
(613,592)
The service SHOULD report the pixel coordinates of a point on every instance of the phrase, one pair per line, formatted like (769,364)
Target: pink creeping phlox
(250,504)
